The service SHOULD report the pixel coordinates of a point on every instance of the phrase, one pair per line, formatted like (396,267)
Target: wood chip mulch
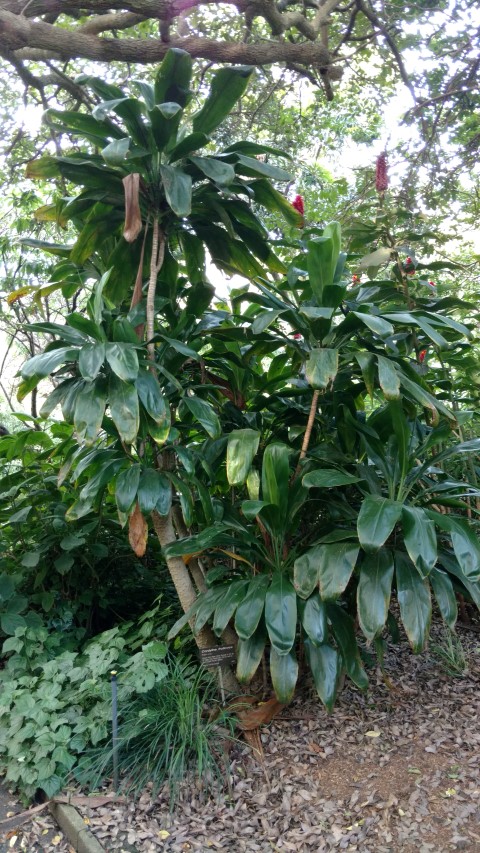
(395,769)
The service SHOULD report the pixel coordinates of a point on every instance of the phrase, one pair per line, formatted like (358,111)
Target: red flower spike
(298,204)
(408,260)
(421,355)
(381,177)
(432,284)
(297,337)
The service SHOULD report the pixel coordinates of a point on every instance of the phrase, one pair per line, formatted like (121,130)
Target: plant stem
(156,261)
(308,433)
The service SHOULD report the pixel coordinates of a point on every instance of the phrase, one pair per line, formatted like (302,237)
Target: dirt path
(391,770)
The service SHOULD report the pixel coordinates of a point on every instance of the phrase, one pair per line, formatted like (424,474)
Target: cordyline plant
(287,448)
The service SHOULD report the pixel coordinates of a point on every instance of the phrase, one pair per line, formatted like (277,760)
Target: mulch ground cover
(395,769)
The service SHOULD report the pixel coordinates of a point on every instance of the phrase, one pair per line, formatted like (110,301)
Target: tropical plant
(320,376)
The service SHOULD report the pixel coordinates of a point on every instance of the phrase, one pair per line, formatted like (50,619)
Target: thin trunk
(308,432)
(156,262)
(194,566)
(187,595)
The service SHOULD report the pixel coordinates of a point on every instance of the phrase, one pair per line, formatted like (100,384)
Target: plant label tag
(217,656)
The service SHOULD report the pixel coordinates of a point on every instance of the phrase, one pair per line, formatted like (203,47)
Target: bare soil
(395,769)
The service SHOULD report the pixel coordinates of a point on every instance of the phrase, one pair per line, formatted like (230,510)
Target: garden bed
(391,770)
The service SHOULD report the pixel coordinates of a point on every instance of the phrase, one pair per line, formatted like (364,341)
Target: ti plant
(289,450)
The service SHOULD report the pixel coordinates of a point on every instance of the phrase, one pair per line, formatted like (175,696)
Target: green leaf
(375,324)
(227,605)
(207,603)
(343,628)
(123,360)
(124,408)
(249,611)
(126,487)
(414,600)
(227,87)
(325,665)
(336,562)
(241,449)
(284,674)
(305,572)
(9,622)
(85,326)
(178,189)
(204,414)
(276,477)
(376,520)
(420,538)
(252,167)
(320,265)
(314,620)
(164,502)
(366,360)
(151,398)
(263,320)
(216,170)
(388,378)
(172,82)
(269,198)
(45,363)
(249,655)
(464,540)
(321,367)
(89,411)
(374,591)
(327,478)
(149,490)
(281,613)
(90,360)
(445,595)
(115,152)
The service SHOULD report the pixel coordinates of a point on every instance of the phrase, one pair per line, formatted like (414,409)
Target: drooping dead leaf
(133,216)
(137,531)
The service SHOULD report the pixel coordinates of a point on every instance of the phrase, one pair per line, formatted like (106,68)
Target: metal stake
(113,679)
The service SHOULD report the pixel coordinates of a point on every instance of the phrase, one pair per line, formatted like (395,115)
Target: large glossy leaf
(374,323)
(376,520)
(314,619)
(281,613)
(172,82)
(305,571)
(464,540)
(45,363)
(336,562)
(208,602)
(164,502)
(90,360)
(123,360)
(253,167)
(89,410)
(320,265)
(249,654)
(284,674)
(327,478)
(124,409)
(388,378)
(275,477)
(373,592)
(126,487)
(228,604)
(321,367)
(55,398)
(272,200)
(204,414)
(241,449)
(216,170)
(414,601)
(178,189)
(227,86)
(149,490)
(366,361)
(151,398)
(420,538)
(445,595)
(343,628)
(325,665)
(249,611)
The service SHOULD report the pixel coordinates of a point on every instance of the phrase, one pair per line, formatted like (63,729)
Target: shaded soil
(390,770)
